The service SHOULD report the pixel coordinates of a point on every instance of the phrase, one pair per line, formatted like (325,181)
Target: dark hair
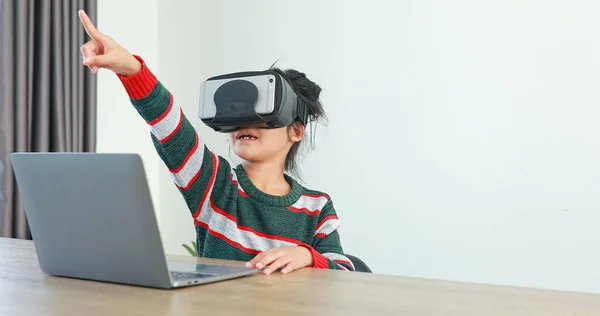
(309,92)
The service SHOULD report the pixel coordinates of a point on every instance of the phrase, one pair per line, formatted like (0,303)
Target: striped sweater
(234,220)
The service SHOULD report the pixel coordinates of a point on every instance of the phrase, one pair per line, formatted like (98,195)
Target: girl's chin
(245,155)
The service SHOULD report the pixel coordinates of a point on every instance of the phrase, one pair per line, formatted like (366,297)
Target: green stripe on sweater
(154,104)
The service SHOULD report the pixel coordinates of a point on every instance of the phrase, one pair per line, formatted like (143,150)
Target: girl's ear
(296,131)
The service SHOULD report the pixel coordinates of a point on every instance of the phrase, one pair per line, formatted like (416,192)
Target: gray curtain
(47,99)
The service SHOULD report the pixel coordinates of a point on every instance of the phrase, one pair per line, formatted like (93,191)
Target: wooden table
(25,290)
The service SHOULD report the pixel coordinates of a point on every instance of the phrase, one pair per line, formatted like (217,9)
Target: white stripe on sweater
(310,205)
(329,226)
(336,256)
(191,167)
(228,228)
(250,240)
(168,124)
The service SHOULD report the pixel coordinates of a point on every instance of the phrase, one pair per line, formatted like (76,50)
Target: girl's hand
(288,258)
(103,52)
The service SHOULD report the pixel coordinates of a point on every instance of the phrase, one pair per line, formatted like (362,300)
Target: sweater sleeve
(326,248)
(192,165)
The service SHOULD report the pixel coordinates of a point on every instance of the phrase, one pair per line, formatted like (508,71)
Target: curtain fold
(47,99)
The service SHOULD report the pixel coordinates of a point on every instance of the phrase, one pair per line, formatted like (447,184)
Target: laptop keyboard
(180,276)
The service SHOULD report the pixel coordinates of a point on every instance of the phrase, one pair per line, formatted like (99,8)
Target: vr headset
(261,99)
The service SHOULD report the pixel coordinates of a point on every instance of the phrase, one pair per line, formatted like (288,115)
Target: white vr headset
(262,99)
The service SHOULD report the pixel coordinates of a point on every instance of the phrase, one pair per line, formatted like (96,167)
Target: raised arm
(193,167)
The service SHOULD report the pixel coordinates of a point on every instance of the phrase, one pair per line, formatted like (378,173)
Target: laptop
(91,217)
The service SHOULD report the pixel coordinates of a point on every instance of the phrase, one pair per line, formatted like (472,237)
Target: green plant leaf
(190,250)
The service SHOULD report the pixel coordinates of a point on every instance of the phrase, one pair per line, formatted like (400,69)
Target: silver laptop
(91,217)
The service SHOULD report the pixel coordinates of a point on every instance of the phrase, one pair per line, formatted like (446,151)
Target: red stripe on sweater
(325,220)
(227,240)
(321,235)
(210,184)
(165,113)
(164,140)
(249,229)
(343,262)
(220,211)
(190,153)
(304,210)
(316,195)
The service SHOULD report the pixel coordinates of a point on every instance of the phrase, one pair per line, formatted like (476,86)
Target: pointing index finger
(90,29)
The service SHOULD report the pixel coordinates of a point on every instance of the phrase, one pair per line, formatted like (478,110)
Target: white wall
(462,143)
(120,129)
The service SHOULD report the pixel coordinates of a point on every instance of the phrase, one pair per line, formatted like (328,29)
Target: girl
(253,212)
